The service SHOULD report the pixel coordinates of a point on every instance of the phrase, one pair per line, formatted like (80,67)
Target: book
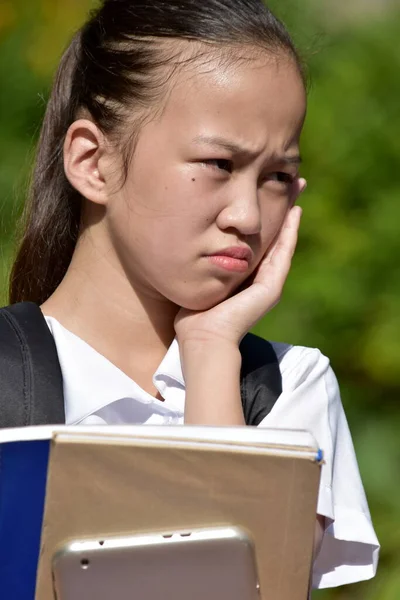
(62,482)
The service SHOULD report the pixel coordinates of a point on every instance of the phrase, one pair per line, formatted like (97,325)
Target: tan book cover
(106,485)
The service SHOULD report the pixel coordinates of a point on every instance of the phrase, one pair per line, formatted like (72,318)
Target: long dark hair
(109,67)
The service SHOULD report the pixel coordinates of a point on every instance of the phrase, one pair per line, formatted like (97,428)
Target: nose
(241,212)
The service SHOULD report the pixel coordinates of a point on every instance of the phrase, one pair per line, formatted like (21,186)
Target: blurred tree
(32,37)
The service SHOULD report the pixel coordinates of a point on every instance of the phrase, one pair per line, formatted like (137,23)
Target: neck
(121,320)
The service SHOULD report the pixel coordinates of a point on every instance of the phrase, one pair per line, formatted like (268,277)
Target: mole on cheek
(193,179)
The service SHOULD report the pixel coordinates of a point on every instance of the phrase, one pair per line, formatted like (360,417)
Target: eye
(222,164)
(281,177)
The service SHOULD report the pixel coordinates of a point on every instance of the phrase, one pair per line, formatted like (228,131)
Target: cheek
(175,194)
(161,218)
(273,217)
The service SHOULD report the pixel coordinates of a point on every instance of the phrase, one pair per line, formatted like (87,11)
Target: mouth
(235,259)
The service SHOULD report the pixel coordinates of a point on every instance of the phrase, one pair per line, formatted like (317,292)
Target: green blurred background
(344,289)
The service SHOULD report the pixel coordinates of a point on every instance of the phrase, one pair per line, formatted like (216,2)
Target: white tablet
(203,564)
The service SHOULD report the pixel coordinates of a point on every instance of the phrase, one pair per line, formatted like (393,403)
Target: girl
(161,226)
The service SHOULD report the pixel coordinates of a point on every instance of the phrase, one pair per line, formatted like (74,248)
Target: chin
(204,299)
(200,305)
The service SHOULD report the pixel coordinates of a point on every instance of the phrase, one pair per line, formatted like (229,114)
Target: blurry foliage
(343,294)
(344,288)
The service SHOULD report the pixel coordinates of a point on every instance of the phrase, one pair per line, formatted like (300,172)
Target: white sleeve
(311,401)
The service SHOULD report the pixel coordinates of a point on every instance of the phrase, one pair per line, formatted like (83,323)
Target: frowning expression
(211,180)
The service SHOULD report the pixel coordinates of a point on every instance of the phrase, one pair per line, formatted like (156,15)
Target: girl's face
(213,175)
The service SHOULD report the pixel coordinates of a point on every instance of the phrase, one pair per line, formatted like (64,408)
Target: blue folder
(23,474)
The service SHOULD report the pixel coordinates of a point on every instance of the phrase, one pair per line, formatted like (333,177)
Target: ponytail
(53,210)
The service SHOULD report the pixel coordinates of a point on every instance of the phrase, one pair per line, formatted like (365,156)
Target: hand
(230,320)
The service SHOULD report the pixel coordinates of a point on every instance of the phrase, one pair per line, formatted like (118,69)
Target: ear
(85,153)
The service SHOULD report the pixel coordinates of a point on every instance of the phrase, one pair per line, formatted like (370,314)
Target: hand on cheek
(209,340)
(230,320)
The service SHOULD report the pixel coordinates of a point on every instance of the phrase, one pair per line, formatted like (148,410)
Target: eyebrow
(235,148)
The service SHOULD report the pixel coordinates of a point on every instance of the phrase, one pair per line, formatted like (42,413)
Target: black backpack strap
(31,387)
(260,380)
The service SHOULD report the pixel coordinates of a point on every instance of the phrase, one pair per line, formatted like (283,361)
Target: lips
(238,252)
(235,259)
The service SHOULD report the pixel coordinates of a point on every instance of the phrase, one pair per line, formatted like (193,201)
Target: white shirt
(97,392)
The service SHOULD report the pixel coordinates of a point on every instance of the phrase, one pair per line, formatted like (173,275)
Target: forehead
(253,100)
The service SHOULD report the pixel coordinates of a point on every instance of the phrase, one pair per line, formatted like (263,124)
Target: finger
(285,245)
(275,268)
(266,290)
(298,188)
(302,184)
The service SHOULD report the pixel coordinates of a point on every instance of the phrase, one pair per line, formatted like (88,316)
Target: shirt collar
(170,367)
(91,381)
